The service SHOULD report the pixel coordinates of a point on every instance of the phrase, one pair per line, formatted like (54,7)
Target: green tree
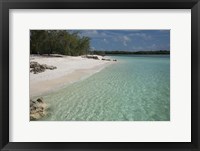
(58,41)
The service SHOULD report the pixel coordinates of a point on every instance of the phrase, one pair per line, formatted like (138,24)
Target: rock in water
(38,109)
(106,59)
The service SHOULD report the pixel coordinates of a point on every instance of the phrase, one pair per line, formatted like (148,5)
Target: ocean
(135,88)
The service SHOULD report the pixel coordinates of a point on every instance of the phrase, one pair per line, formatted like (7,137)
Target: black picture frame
(5,5)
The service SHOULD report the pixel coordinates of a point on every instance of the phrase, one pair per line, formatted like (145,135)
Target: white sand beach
(69,70)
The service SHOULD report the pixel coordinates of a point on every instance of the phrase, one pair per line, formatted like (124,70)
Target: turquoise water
(136,88)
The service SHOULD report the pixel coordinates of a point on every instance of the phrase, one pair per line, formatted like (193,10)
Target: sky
(128,40)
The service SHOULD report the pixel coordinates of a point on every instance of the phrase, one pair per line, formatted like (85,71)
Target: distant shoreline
(160,52)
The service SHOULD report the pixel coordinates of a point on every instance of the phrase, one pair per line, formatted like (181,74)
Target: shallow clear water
(136,88)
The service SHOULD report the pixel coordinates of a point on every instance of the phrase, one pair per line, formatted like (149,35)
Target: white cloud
(126,38)
(105,40)
(137,48)
(122,39)
(103,34)
(124,43)
(153,46)
(141,35)
(89,33)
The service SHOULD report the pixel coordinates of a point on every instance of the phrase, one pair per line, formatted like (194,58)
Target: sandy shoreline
(69,70)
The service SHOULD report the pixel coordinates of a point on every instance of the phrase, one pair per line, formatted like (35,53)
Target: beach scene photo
(99,75)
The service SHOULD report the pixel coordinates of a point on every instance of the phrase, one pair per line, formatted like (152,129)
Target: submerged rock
(106,59)
(38,109)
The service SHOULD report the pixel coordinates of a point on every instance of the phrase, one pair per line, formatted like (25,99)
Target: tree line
(58,42)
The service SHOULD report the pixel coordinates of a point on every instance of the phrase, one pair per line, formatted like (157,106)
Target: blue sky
(128,40)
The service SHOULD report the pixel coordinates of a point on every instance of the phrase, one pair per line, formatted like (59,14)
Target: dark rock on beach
(38,68)
(92,57)
(106,59)
(51,67)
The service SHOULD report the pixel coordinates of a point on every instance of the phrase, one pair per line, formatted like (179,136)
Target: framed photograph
(99,75)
